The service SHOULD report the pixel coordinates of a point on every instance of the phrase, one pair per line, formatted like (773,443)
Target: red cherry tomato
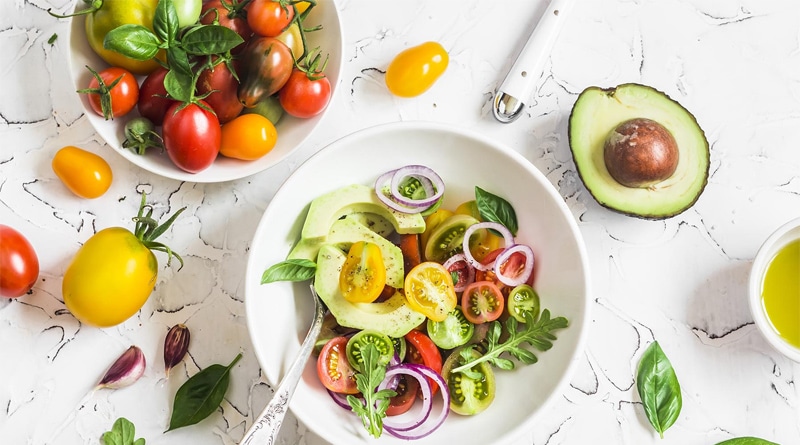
(230,14)
(153,102)
(269,18)
(19,265)
(305,95)
(482,301)
(123,95)
(221,86)
(192,136)
(333,369)
(422,350)
(407,389)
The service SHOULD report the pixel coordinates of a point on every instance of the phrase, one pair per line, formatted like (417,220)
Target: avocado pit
(640,152)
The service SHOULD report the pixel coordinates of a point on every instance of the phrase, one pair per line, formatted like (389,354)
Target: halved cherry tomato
(431,221)
(407,389)
(333,369)
(471,394)
(269,17)
(84,173)
(415,69)
(512,267)
(422,350)
(363,274)
(120,98)
(429,290)
(482,301)
(409,245)
(19,264)
(248,137)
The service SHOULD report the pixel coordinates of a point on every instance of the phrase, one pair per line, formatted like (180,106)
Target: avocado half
(598,111)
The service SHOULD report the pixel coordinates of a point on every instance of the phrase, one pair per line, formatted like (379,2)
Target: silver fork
(266,426)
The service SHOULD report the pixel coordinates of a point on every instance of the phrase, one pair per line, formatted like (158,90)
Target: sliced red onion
(431,182)
(430,424)
(508,239)
(340,399)
(455,259)
(505,255)
(395,372)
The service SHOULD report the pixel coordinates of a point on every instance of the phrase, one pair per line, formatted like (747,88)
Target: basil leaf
(179,86)
(210,39)
(658,388)
(746,441)
(134,41)
(496,209)
(201,395)
(165,21)
(122,433)
(290,270)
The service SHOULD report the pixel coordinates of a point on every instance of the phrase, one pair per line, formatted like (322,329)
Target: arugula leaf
(290,270)
(537,333)
(122,433)
(658,388)
(496,209)
(746,441)
(372,409)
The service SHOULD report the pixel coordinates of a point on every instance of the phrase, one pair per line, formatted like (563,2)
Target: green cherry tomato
(357,343)
(416,69)
(523,299)
(454,331)
(469,394)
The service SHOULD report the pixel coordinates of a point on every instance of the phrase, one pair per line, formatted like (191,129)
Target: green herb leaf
(372,409)
(290,270)
(122,433)
(134,41)
(201,395)
(746,441)
(165,21)
(52,39)
(179,86)
(210,39)
(658,388)
(496,209)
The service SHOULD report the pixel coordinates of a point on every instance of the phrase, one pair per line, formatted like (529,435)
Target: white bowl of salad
(450,266)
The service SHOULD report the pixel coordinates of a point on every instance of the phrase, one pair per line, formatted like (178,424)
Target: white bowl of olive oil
(774,289)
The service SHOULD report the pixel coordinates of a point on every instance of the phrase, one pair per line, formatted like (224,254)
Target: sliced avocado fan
(598,112)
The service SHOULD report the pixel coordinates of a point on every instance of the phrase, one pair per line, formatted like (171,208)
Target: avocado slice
(596,115)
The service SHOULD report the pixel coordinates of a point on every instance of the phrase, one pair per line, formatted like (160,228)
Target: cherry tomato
(188,11)
(469,394)
(429,290)
(248,137)
(192,136)
(431,221)
(482,301)
(485,241)
(84,173)
(512,267)
(333,369)
(153,101)
(382,343)
(266,64)
(230,14)
(521,300)
(122,96)
(305,95)
(363,275)
(407,389)
(221,86)
(269,18)
(292,37)
(19,264)
(422,350)
(414,70)
(409,245)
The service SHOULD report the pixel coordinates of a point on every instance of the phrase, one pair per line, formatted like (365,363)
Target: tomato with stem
(308,90)
(192,135)
(269,17)
(112,92)
(19,264)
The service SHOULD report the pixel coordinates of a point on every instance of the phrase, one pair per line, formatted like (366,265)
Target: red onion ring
(431,182)
(508,239)
(455,259)
(505,255)
(430,424)
(340,399)
(394,372)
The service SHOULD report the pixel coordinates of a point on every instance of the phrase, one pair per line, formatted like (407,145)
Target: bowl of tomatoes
(454,275)
(215,91)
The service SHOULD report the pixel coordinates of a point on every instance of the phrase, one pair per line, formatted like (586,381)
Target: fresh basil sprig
(372,409)
(122,433)
(746,441)
(658,388)
(290,270)
(496,209)
(201,395)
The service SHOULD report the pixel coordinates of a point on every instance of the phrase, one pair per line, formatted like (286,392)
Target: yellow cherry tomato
(483,241)
(248,137)
(84,173)
(363,275)
(293,39)
(301,6)
(429,290)
(416,69)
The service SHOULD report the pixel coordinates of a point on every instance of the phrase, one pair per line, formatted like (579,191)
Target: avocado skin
(584,170)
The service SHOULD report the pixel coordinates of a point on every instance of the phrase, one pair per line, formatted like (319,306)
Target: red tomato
(305,95)
(422,350)
(123,95)
(482,301)
(516,263)
(333,369)
(269,18)
(407,389)
(409,245)
(19,265)
(222,86)
(266,64)
(192,136)
(153,102)
(229,14)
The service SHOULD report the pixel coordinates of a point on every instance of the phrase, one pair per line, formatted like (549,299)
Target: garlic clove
(125,370)
(176,344)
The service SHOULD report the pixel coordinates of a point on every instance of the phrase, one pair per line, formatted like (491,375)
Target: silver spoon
(266,426)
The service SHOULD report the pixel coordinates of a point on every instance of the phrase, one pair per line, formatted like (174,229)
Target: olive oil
(780,292)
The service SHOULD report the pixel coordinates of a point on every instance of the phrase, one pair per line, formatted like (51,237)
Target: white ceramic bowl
(278,314)
(291,131)
(782,236)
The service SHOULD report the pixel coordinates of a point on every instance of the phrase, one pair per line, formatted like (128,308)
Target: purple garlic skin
(176,344)
(125,370)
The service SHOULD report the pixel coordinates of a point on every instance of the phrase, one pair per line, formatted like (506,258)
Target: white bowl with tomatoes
(280,311)
(283,106)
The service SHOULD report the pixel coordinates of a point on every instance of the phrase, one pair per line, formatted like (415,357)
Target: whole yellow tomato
(114,272)
(416,69)
(248,137)
(84,173)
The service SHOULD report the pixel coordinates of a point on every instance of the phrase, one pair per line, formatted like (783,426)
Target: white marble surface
(734,63)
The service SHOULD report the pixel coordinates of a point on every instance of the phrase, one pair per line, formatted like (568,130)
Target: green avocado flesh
(599,111)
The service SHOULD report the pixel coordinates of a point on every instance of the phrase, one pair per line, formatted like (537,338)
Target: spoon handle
(266,426)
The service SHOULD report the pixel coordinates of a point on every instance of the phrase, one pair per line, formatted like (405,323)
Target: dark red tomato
(124,94)
(19,265)
(512,267)
(482,301)
(333,369)
(269,18)
(407,388)
(229,14)
(422,350)
(222,86)
(305,95)
(153,102)
(266,64)
(409,246)
(192,136)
